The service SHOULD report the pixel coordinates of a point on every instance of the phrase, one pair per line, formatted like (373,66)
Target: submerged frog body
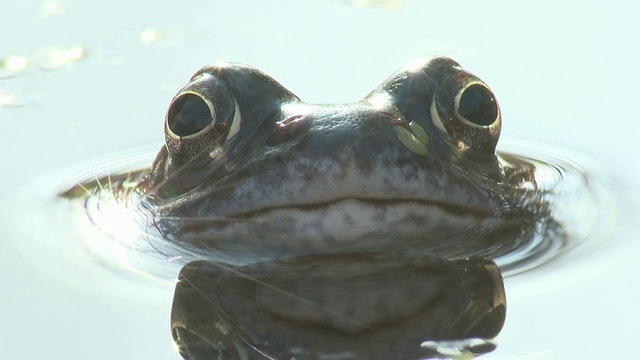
(250,172)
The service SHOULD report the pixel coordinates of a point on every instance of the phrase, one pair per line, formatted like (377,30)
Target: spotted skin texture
(399,170)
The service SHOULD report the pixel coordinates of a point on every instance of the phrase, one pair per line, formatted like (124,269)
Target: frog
(300,213)
(250,172)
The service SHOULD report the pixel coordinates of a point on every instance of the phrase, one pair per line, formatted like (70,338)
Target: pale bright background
(83,80)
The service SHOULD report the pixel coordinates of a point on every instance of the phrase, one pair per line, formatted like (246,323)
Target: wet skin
(392,204)
(250,172)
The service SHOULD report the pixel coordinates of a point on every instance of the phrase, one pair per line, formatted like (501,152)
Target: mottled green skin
(411,167)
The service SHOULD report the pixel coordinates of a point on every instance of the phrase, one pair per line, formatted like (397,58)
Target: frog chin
(342,226)
(375,209)
(379,190)
(352,221)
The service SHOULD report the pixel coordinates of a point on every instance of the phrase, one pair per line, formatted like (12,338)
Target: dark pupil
(478,105)
(188,115)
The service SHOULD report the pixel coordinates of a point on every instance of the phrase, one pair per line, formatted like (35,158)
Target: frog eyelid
(237,120)
(435,117)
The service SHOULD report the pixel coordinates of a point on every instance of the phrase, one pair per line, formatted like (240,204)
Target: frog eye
(477,105)
(467,110)
(188,115)
(201,117)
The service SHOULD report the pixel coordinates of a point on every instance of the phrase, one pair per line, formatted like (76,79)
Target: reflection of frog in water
(338,306)
(249,172)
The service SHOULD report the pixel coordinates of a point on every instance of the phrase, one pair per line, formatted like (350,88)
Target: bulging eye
(188,115)
(465,108)
(201,117)
(477,105)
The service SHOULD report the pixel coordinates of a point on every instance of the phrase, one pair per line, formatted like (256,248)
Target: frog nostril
(189,114)
(477,105)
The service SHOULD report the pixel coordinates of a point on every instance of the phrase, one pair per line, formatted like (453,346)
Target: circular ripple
(573,185)
(119,228)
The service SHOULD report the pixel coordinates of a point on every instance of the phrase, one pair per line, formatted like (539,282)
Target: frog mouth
(340,225)
(368,202)
(345,183)
(262,199)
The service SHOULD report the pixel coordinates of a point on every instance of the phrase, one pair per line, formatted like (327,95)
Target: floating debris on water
(54,58)
(384,4)
(150,35)
(10,101)
(52,7)
(12,65)
(47,59)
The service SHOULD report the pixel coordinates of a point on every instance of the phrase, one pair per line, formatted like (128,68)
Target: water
(564,83)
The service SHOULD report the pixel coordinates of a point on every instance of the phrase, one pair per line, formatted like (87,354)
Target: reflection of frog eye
(201,117)
(477,105)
